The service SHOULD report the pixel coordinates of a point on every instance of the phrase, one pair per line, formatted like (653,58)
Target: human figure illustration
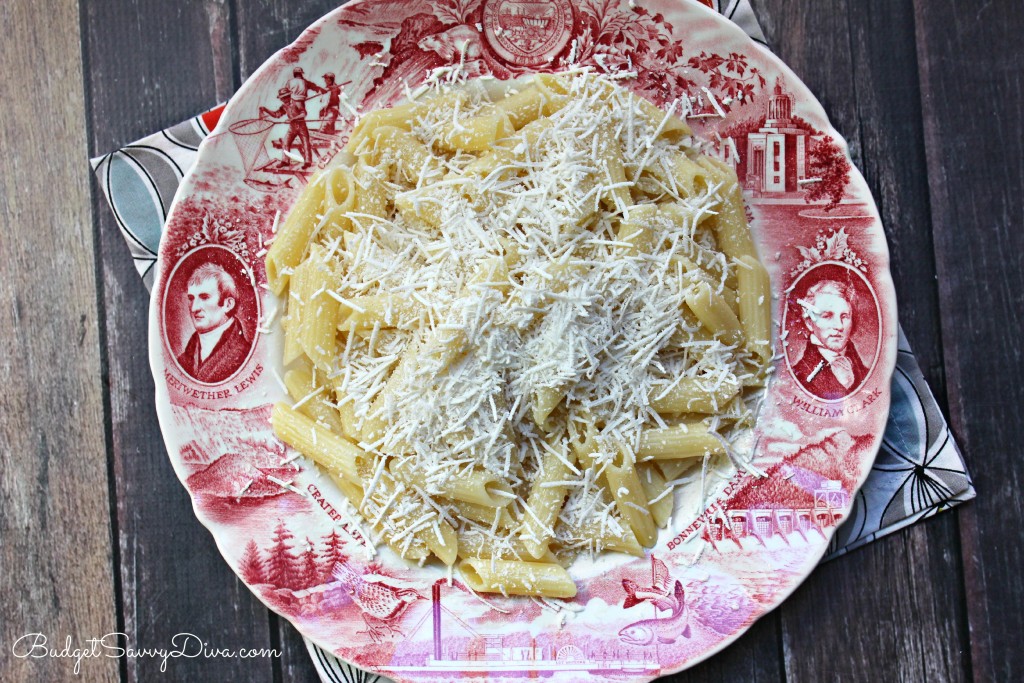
(830,367)
(219,346)
(300,87)
(332,110)
(295,112)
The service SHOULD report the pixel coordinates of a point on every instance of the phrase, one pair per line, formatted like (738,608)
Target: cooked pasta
(511,319)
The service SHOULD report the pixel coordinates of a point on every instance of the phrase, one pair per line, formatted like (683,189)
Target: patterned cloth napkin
(919,470)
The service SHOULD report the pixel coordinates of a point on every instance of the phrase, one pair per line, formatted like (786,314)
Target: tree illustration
(280,567)
(331,555)
(732,75)
(613,37)
(251,566)
(309,571)
(453,11)
(375,567)
(827,162)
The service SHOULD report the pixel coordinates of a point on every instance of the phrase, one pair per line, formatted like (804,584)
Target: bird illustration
(660,593)
(382,600)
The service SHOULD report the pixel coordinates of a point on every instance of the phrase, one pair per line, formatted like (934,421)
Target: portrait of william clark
(218,346)
(830,367)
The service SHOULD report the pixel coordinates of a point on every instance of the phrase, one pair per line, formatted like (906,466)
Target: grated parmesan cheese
(497,285)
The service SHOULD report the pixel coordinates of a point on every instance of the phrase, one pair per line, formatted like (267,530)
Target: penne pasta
(318,316)
(658,492)
(692,395)
(351,490)
(446,548)
(477,544)
(476,487)
(314,397)
(329,450)
(523,107)
(510,577)
(674,470)
(730,225)
(484,514)
(631,502)
(686,440)
(340,199)
(518,325)
(545,400)
(424,204)
(755,306)
(714,312)
(637,230)
(547,496)
(476,134)
(617,197)
(621,540)
(689,176)
(372,196)
(290,323)
(400,117)
(293,235)
(412,160)
(669,125)
(387,310)
(377,416)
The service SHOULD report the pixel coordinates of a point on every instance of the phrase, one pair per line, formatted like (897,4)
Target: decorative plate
(284,529)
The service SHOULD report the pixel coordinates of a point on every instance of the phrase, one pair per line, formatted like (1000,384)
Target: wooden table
(98,535)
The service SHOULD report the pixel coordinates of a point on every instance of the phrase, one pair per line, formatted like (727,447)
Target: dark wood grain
(266,26)
(890,136)
(754,658)
(55,541)
(843,625)
(972,78)
(173,578)
(295,662)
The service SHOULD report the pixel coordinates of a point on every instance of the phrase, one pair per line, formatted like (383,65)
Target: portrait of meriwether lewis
(219,345)
(830,367)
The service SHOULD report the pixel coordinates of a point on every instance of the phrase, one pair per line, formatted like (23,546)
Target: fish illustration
(662,629)
(659,593)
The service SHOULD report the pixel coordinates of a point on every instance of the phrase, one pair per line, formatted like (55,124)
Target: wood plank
(266,26)
(296,664)
(56,552)
(152,65)
(754,658)
(813,39)
(263,28)
(173,578)
(971,70)
(888,107)
(883,612)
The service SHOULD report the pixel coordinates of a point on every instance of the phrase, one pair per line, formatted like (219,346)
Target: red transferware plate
(284,529)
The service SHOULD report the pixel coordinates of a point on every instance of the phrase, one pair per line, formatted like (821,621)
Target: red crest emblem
(528,32)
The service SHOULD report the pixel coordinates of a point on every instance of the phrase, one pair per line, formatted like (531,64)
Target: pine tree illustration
(251,566)
(280,567)
(331,556)
(309,572)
